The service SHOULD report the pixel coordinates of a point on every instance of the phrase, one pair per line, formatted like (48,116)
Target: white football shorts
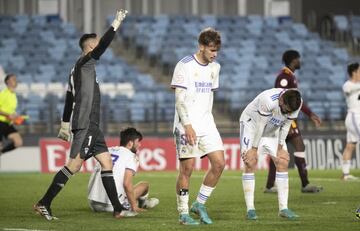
(204,144)
(267,145)
(352,123)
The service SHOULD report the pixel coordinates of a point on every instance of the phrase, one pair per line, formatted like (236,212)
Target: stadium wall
(158,154)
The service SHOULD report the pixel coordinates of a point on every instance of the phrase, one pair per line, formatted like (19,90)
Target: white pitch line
(19,229)
(239,177)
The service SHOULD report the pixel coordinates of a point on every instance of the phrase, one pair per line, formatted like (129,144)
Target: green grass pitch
(332,209)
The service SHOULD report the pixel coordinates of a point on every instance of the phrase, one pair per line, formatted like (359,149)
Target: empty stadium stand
(42,49)
(250,55)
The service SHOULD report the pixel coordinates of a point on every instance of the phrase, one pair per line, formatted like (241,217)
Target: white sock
(346,164)
(282,183)
(204,193)
(182,203)
(248,182)
(144,197)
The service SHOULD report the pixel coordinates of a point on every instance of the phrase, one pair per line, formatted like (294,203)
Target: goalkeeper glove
(120,16)
(64,132)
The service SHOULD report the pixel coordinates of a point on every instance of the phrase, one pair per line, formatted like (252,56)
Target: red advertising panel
(158,154)
(155,154)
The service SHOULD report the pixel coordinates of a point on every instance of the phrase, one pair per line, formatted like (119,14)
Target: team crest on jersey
(283,83)
(179,78)
(183,150)
(86,150)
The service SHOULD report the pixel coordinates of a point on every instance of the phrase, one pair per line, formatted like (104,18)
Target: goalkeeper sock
(8,145)
(183,201)
(346,164)
(248,182)
(110,188)
(57,184)
(282,183)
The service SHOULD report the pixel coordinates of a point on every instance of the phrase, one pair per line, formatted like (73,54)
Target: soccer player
(8,105)
(83,102)
(194,80)
(125,161)
(351,90)
(287,79)
(264,125)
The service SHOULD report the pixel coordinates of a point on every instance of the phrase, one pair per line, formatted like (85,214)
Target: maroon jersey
(287,79)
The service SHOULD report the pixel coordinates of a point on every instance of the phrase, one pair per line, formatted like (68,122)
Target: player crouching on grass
(264,125)
(132,197)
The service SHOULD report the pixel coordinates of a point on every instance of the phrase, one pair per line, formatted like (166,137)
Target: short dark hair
(208,36)
(129,134)
(289,56)
(352,67)
(292,98)
(7,77)
(84,38)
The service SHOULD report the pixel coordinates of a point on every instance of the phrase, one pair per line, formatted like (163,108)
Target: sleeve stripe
(175,86)
(134,172)
(263,114)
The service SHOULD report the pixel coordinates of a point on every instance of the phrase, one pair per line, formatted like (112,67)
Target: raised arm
(109,35)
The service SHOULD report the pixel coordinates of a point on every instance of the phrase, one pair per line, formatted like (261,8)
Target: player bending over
(264,125)
(287,79)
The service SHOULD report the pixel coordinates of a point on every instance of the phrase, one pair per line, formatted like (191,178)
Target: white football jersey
(123,159)
(267,104)
(352,95)
(199,81)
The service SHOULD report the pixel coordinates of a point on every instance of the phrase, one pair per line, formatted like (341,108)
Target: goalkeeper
(9,136)
(83,102)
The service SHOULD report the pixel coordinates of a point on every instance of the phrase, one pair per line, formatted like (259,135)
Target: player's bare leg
(346,161)
(13,141)
(182,191)
(141,191)
(211,178)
